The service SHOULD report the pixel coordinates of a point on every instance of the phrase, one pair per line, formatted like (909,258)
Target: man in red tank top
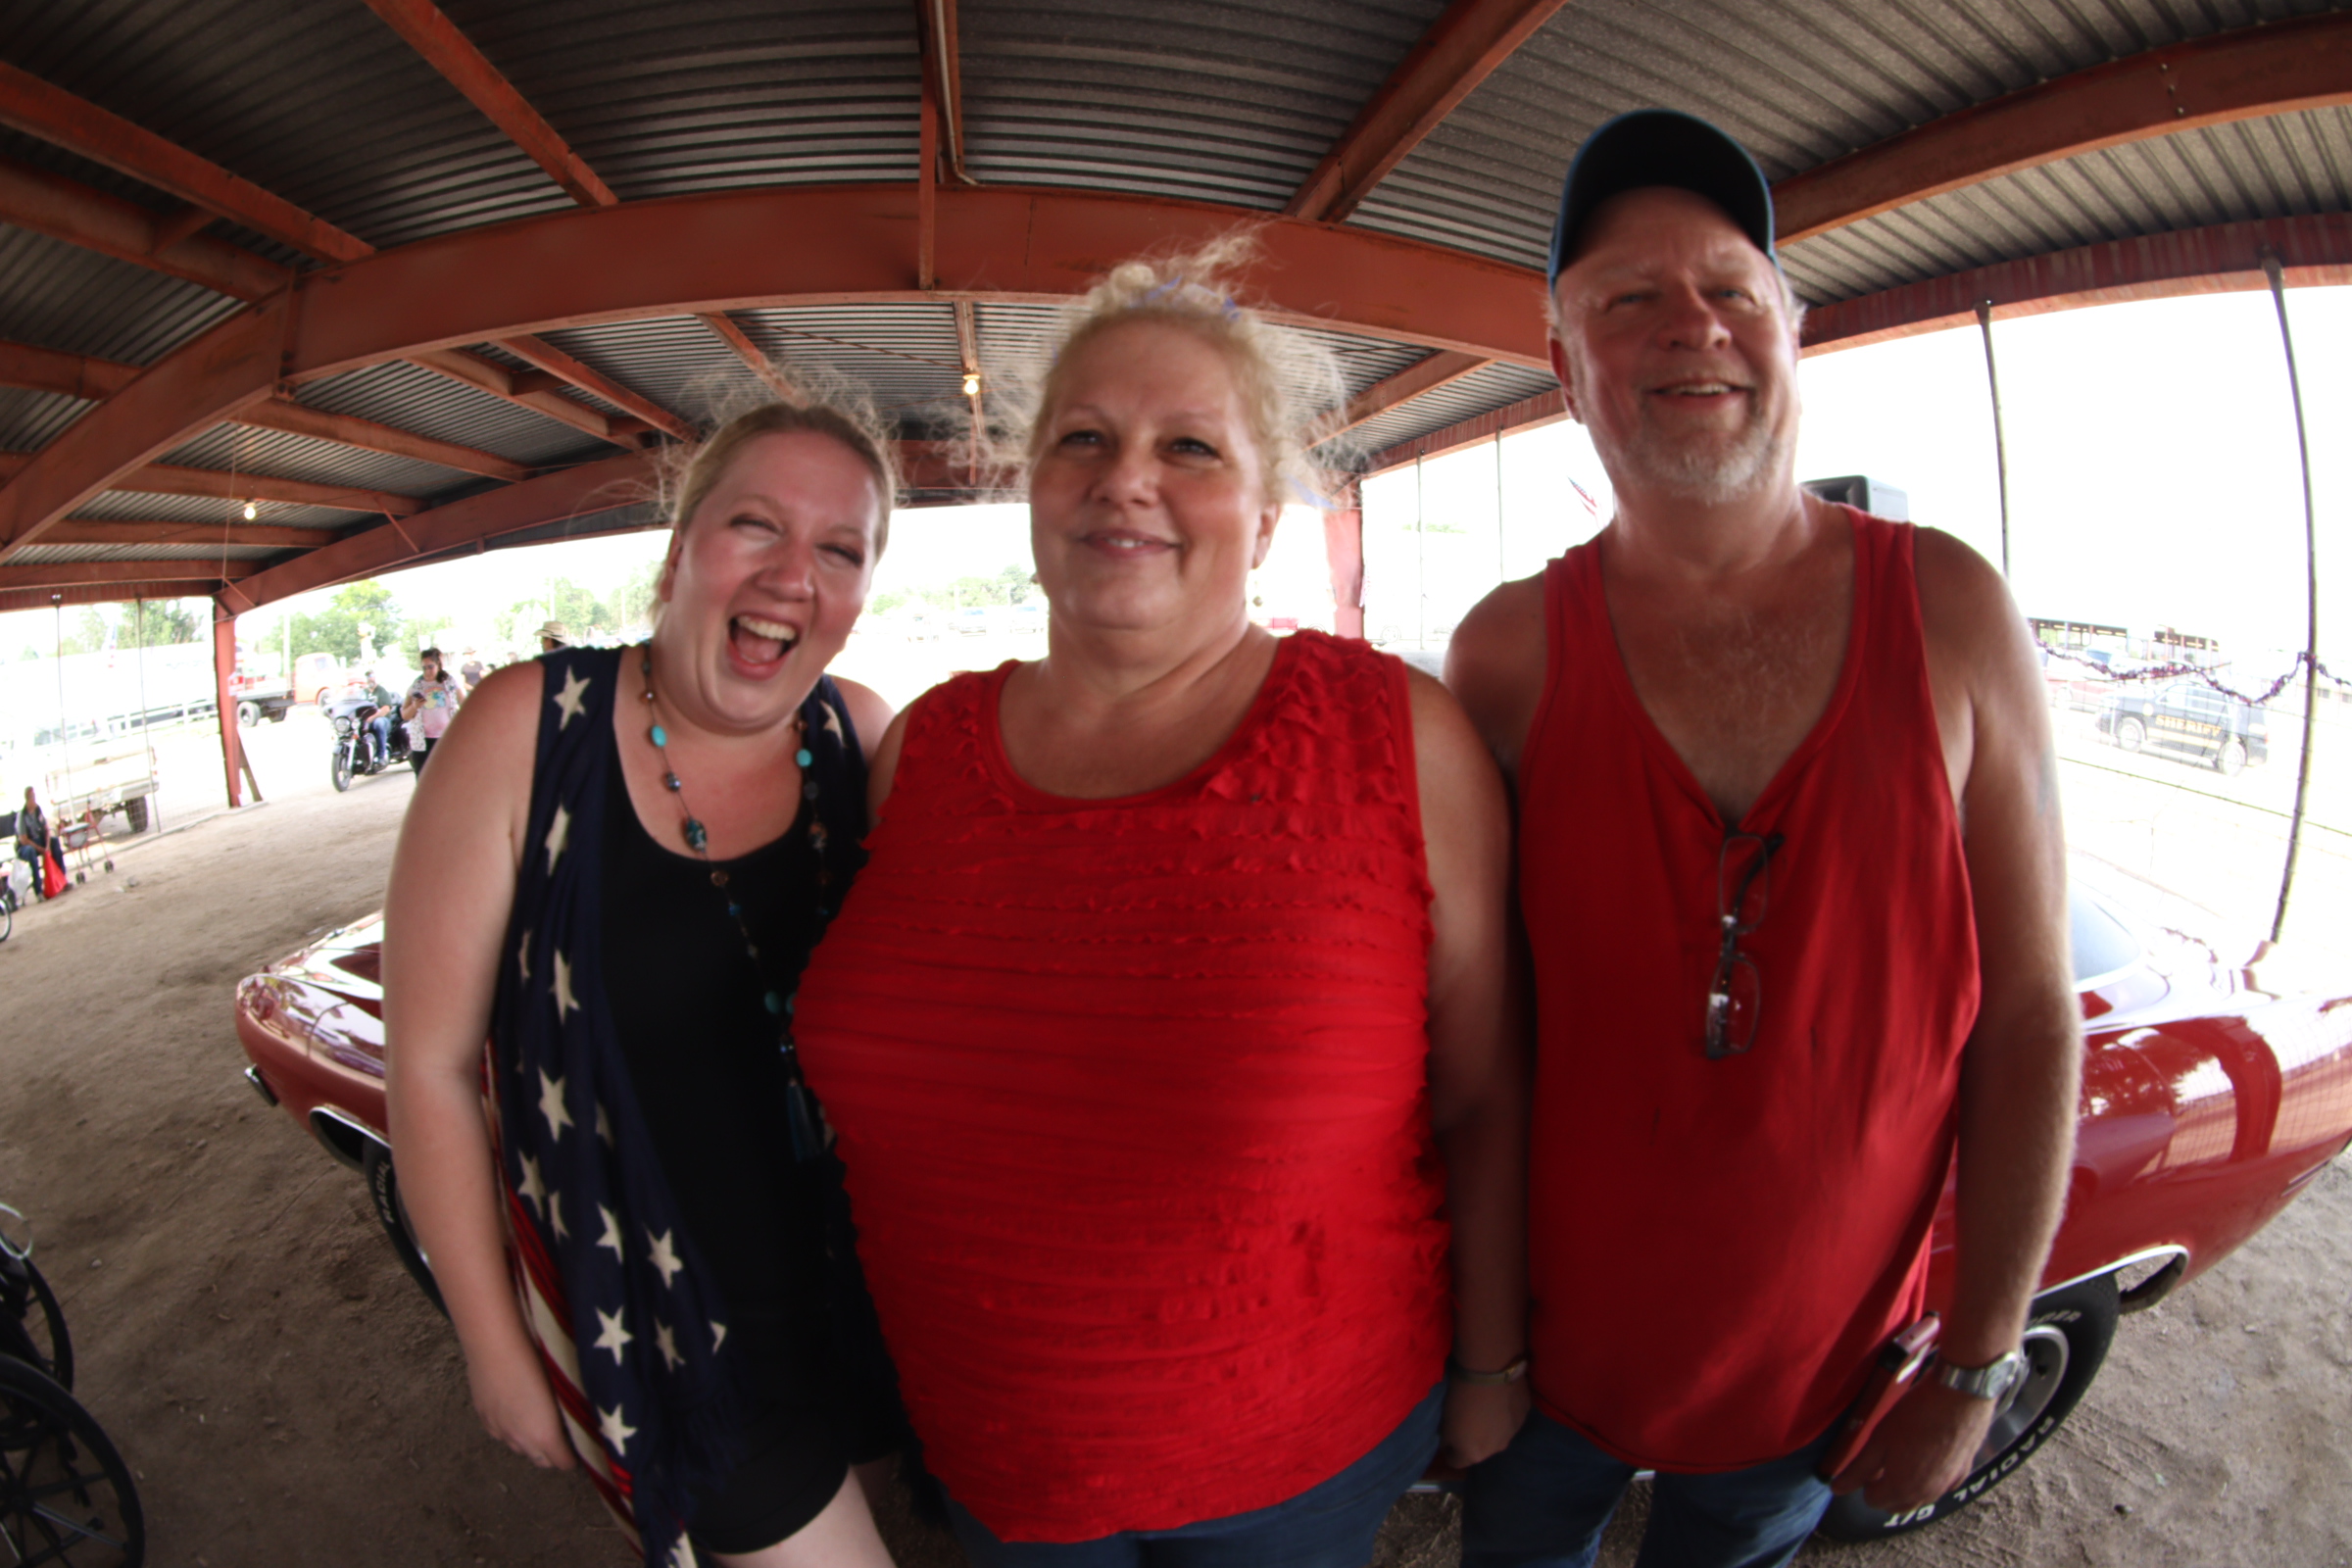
(1791,868)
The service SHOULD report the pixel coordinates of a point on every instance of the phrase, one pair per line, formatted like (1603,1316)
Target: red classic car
(2216,1083)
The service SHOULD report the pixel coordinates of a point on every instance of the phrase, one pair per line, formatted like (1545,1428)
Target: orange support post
(225,664)
(1343,548)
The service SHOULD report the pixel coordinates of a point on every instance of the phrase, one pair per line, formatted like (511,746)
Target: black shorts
(811,1420)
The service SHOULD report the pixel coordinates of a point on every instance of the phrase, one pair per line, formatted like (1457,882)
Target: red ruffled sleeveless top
(1717,1248)
(1133,1099)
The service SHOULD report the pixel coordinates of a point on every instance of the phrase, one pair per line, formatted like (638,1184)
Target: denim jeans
(1331,1524)
(1543,1502)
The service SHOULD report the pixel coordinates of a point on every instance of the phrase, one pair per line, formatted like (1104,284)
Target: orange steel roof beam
(296,419)
(83,573)
(1443,369)
(2275,69)
(535,390)
(731,249)
(1461,50)
(164,585)
(433,35)
(70,211)
(943,79)
(592,487)
(734,337)
(82,531)
(562,365)
(161,479)
(55,115)
(73,376)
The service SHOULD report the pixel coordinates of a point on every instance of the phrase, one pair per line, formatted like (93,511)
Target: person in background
(553,635)
(615,874)
(380,726)
(471,671)
(433,700)
(1167,1038)
(1793,875)
(33,845)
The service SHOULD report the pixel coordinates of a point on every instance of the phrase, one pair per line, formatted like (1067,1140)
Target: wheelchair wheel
(66,1496)
(32,1326)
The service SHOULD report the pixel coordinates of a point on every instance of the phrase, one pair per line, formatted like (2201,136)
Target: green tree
(168,622)
(89,633)
(336,628)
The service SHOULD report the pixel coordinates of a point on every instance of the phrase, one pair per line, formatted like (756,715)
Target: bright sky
(2153,480)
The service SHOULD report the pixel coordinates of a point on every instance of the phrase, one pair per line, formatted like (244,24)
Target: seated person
(380,726)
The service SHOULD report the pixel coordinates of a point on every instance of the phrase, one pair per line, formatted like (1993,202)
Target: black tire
(2065,1339)
(278,715)
(339,766)
(2129,733)
(383,1189)
(66,1496)
(32,1326)
(2230,759)
(134,811)
(7,914)
(249,714)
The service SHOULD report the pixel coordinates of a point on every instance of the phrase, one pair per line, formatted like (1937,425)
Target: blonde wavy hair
(1293,390)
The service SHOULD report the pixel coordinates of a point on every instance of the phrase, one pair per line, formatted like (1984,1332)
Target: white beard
(1698,467)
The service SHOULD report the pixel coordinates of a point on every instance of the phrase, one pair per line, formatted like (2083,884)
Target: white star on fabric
(683,1554)
(566,1003)
(614,1337)
(534,1191)
(523,956)
(612,1236)
(833,724)
(719,1336)
(616,1432)
(667,1341)
(662,1258)
(558,834)
(551,1106)
(555,1214)
(604,1126)
(569,699)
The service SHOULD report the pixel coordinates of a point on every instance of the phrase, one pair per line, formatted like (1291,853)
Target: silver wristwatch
(1987,1382)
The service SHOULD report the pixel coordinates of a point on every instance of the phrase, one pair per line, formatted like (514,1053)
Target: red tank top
(1718,1247)
(1133,1097)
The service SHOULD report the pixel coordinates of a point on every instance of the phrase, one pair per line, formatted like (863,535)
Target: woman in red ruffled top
(1168,1036)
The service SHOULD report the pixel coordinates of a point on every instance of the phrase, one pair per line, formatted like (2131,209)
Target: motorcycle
(357,752)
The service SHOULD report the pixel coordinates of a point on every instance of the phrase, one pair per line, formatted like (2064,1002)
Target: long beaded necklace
(799,1111)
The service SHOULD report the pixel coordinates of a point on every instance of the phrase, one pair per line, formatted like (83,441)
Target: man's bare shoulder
(1495,664)
(1963,605)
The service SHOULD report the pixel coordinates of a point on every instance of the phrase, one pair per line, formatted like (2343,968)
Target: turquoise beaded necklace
(807,1141)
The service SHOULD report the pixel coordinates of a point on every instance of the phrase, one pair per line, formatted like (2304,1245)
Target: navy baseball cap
(1662,147)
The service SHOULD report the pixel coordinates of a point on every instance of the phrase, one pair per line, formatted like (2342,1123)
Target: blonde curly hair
(1293,390)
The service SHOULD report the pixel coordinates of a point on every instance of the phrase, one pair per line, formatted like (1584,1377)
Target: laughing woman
(615,873)
(1167,1038)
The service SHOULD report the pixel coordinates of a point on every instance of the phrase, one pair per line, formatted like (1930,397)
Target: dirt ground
(288,1397)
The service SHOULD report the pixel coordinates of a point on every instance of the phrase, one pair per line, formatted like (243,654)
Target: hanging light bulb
(251,512)
(971,383)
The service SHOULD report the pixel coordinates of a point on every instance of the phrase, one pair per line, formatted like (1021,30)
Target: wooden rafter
(37,109)
(1461,50)
(449,52)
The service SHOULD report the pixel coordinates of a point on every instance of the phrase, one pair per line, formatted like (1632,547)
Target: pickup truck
(260,697)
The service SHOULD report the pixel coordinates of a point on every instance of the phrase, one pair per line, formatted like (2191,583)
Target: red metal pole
(225,664)
(1343,548)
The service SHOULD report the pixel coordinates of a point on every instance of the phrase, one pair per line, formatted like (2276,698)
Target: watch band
(1987,1382)
(1455,1372)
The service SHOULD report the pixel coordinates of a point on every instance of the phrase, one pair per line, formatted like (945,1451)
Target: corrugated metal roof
(141,505)
(1479,392)
(1210,102)
(243,448)
(61,296)
(2286,164)
(31,421)
(1799,82)
(704,94)
(319,103)
(72,555)
(675,360)
(411,398)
